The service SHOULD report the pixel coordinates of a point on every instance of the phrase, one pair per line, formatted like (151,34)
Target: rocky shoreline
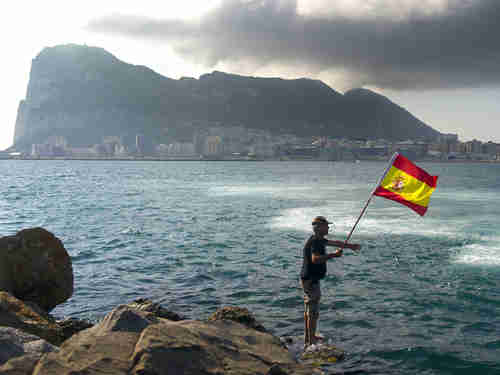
(140,338)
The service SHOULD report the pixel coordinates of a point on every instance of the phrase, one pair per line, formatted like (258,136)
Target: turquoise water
(421,297)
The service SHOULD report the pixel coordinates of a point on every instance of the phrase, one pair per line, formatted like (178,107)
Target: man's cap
(320,220)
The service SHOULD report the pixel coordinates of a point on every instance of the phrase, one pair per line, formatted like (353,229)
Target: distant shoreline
(453,161)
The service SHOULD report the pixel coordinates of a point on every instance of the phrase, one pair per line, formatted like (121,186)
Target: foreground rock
(130,341)
(22,349)
(27,317)
(35,267)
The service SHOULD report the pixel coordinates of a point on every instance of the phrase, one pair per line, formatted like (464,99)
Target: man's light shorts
(312,295)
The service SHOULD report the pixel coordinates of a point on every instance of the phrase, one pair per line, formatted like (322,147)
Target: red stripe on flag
(381,192)
(407,166)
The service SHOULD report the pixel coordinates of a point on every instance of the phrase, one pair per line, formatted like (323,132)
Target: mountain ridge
(85,93)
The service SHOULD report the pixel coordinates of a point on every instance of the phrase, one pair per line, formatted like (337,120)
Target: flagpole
(394,156)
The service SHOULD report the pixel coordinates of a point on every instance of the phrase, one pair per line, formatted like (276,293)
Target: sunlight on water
(470,195)
(257,190)
(407,225)
(277,190)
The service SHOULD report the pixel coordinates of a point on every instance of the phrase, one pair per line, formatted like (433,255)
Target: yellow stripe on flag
(407,186)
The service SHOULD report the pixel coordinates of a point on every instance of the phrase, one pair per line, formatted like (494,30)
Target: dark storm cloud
(454,47)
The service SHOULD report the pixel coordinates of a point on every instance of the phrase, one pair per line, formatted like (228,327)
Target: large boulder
(28,318)
(130,341)
(35,266)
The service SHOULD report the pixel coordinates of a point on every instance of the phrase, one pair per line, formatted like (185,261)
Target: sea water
(422,296)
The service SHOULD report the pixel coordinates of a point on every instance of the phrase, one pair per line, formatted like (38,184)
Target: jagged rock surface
(70,326)
(131,341)
(238,314)
(146,305)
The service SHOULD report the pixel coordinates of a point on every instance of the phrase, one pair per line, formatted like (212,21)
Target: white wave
(344,216)
(480,254)
(300,218)
(484,249)
(297,219)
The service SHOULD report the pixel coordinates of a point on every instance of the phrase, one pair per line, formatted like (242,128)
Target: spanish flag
(407,184)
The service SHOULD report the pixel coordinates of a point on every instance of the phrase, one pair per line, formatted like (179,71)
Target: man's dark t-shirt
(311,271)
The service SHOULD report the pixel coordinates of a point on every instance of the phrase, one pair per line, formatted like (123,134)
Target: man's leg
(314,312)
(306,286)
(313,323)
(307,340)
(312,295)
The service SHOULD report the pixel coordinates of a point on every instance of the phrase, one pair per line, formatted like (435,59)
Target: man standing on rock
(313,270)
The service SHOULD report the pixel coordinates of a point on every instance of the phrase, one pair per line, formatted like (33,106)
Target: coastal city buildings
(237,142)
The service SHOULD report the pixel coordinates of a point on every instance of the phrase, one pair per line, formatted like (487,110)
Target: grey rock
(16,343)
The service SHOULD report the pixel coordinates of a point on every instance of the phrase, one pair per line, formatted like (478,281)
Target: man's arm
(316,258)
(341,244)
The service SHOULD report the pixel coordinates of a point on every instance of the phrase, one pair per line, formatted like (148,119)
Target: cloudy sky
(440,59)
